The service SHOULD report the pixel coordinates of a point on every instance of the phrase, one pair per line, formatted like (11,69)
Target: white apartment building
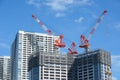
(25,44)
(4,68)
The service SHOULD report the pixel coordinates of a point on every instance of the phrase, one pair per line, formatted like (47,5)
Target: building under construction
(45,66)
(93,65)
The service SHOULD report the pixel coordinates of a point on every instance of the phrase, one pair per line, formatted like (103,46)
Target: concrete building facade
(4,68)
(25,44)
(94,65)
(44,66)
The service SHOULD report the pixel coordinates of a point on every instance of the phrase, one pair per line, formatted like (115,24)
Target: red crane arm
(58,42)
(42,25)
(83,39)
(97,24)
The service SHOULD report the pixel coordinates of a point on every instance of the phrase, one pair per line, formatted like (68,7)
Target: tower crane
(85,41)
(58,42)
(72,49)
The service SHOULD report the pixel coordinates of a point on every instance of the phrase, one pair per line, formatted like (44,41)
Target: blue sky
(69,17)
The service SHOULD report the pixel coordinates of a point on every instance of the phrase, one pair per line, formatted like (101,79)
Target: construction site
(47,62)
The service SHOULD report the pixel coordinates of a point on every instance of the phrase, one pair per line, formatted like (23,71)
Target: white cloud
(3,45)
(62,5)
(60,15)
(94,16)
(115,66)
(79,20)
(84,2)
(59,6)
(56,5)
(35,3)
(116,61)
(117,26)
(114,78)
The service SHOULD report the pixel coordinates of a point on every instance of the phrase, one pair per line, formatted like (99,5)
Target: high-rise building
(94,65)
(4,68)
(35,53)
(44,66)
(25,44)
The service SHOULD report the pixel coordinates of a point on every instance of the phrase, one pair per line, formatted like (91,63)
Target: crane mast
(85,41)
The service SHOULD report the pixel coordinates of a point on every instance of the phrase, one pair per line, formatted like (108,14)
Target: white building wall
(4,68)
(25,44)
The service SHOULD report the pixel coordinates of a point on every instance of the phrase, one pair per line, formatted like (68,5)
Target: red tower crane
(72,49)
(58,42)
(85,41)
